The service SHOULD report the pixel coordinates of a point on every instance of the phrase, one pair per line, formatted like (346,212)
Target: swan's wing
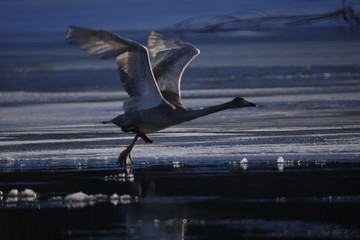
(133,62)
(171,57)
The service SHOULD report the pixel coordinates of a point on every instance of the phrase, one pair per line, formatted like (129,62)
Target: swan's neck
(193,114)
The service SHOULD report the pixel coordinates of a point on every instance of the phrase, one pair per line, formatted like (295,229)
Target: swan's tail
(106,122)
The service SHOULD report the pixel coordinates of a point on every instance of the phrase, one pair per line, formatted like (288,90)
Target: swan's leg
(125,156)
(144,137)
(138,132)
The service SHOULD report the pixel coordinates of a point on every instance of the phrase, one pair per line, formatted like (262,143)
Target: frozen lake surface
(193,182)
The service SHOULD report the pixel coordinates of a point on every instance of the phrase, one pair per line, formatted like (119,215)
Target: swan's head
(240,102)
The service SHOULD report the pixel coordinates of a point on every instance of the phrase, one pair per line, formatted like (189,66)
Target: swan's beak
(249,104)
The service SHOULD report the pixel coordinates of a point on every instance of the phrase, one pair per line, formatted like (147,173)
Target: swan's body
(154,101)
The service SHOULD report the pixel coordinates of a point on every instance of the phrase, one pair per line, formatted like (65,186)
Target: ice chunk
(281,166)
(281,200)
(244,161)
(176,164)
(13,193)
(114,196)
(101,197)
(13,196)
(56,198)
(280,160)
(78,197)
(131,177)
(115,199)
(125,199)
(320,162)
(156,222)
(12,199)
(28,193)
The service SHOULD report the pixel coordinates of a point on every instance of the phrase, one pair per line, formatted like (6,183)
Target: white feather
(133,62)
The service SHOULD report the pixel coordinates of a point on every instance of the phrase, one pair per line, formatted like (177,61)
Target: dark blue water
(195,200)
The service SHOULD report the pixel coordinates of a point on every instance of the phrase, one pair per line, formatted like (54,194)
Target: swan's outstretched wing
(133,62)
(171,57)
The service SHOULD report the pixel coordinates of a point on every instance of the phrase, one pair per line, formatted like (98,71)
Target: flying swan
(154,101)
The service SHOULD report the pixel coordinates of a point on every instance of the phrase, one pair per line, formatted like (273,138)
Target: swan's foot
(125,158)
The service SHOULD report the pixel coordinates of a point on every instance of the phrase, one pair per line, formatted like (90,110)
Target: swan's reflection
(124,175)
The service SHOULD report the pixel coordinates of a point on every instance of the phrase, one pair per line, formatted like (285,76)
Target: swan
(154,101)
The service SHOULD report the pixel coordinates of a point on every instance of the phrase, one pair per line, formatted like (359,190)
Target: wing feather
(171,57)
(133,62)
